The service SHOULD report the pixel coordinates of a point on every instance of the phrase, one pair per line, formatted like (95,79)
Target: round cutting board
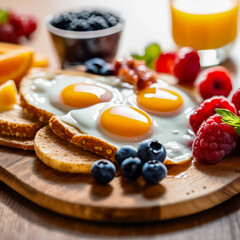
(189,189)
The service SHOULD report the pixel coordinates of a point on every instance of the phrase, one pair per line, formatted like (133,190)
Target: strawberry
(164,63)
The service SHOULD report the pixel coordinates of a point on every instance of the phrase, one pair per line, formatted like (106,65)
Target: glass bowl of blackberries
(80,35)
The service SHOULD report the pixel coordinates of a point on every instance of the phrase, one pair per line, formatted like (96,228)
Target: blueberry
(154,171)
(73,15)
(94,20)
(74,25)
(97,23)
(97,62)
(92,69)
(58,22)
(125,152)
(111,20)
(84,14)
(83,25)
(103,171)
(106,70)
(132,167)
(97,13)
(151,149)
(62,21)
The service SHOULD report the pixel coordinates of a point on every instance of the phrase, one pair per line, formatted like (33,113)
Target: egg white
(172,131)
(45,91)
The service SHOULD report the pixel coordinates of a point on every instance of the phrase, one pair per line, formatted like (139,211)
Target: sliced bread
(85,141)
(16,123)
(16,142)
(62,155)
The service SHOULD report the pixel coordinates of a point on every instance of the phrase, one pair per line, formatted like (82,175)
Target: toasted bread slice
(36,113)
(39,114)
(16,142)
(18,124)
(61,155)
(92,143)
(85,141)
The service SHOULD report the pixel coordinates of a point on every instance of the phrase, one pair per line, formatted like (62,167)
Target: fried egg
(111,111)
(160,101)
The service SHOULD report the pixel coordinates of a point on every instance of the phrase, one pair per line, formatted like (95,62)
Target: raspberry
(7,33)
(164,64)
(186,65)
(236,100)
(214,141)
(18,25)
(16,20)
(30,25)
(214,81)
(207,109)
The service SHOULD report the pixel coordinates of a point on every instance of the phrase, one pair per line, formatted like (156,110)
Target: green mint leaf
(237,131)
(225,113)
(231,122)
(139,57)
(228,115)
(152,51)
(230,118)
(3,16)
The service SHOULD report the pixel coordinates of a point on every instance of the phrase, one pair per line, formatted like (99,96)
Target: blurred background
(146,22)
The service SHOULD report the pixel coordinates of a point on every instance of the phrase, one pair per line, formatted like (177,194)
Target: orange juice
(204,24)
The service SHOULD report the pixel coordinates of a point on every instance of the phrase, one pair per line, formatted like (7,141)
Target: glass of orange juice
(209,26)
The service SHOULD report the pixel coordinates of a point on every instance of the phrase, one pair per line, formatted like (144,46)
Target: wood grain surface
(198,188)
(21,219)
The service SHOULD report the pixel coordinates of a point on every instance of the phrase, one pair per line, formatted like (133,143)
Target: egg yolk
(83,95)
(159,101)
(125,123)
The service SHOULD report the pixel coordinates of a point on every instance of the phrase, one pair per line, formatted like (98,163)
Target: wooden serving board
(190,189)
